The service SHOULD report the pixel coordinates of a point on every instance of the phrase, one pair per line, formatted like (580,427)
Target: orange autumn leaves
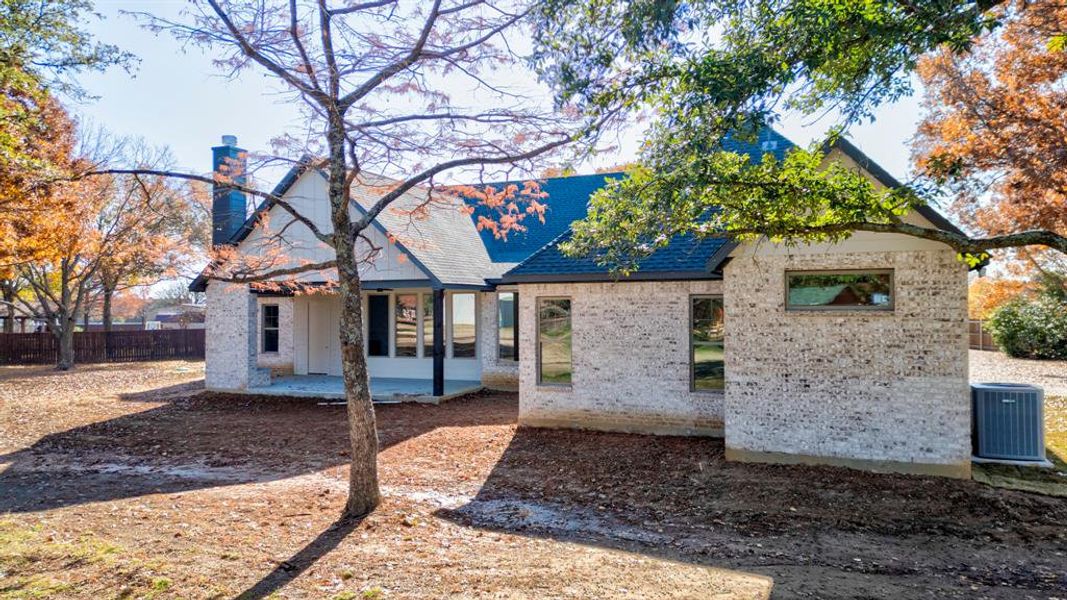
(33,208)
(987,294)
(507,205)
(995,129)
(100,229)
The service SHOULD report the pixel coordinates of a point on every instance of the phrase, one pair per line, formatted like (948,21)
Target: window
(406,317)
(839,290)
(378,325)
(427,325)
(463,334)
(507,325)
(708,370)
(270,327)
(554,341)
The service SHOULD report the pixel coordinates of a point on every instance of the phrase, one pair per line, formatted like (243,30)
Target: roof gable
(882,176)
(440,237)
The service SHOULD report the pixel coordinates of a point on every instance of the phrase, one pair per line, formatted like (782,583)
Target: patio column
(231,340)
(438,342)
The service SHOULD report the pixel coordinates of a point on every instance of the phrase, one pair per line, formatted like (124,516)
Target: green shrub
(1035,328)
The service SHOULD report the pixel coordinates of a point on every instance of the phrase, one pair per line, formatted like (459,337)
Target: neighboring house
(179,316)
(116,326)
(852,353)
(20,323)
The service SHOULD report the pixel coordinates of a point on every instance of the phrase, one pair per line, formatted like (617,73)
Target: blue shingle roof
(567,202)
(537,250)
(684,257)
(768,141)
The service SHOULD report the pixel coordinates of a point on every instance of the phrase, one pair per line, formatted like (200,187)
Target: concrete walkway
(382,389)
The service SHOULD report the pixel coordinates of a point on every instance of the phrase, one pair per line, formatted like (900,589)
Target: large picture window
(554,365)
(406,319)
(706,327)
(463,326)
(270,327)
(839,290)
(508,325)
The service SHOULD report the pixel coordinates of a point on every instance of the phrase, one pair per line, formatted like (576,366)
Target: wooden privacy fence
(980,337)
(100,346)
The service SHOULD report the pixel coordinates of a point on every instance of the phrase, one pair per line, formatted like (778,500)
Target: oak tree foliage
(710,69)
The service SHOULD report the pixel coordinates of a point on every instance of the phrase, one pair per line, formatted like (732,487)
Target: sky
(177,98)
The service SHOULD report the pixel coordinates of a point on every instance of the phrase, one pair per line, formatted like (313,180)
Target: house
(124,326)
(852,353)
(176,316)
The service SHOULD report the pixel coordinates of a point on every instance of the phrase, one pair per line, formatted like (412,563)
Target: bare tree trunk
(105,309)
(363,493)
(105,314)
(65,335)
(9,304)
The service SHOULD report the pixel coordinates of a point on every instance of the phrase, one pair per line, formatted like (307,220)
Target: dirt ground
(128,482)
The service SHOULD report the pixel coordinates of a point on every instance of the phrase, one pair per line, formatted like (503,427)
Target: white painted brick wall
(282,360)
(631,360)
(231,346)
(858,385)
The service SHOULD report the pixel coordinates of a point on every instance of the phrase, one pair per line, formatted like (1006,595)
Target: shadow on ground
(290,569)
(204,441)
(817,531)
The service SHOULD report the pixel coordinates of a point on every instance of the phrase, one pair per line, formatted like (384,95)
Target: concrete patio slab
(382,389)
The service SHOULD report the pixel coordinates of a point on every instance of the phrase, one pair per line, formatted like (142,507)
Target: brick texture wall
(231,346)
(889,386)
(630,356)
(280,362)
(496,374)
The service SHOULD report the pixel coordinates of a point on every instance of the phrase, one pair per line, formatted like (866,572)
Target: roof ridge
(560,177)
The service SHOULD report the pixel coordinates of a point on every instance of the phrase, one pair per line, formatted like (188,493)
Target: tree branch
(294,33)
(251,52)
(361,6)
(267,275)
(396,67)
(272,199)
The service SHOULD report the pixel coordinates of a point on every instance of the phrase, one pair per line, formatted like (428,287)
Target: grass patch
(1052,482)
(34,565)
(374,593)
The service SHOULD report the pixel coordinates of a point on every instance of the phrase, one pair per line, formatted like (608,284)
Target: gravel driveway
(996,366)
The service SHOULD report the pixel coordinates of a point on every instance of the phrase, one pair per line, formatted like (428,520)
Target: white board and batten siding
(316,318)
(309,197)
